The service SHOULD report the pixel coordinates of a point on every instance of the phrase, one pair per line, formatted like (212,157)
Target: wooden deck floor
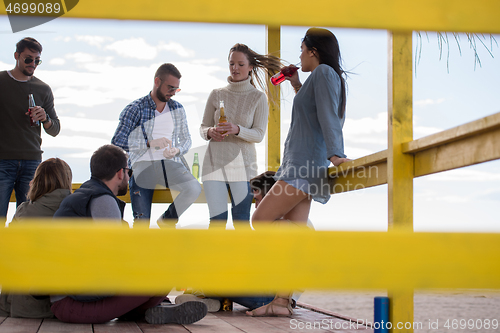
(303,320)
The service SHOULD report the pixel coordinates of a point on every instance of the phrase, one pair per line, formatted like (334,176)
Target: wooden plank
(250,325)
(117,326)
(20,325)
(212,323)
(427,15)
(51,258)
(458,133)
(273,135)
(399,165)
(361,173)
(54,325)
(482,147)
(168,328)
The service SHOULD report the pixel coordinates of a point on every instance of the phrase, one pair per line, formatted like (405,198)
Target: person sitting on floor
(97,199)
(49,186)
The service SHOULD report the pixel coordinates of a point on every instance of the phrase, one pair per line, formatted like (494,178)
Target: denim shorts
(299,183)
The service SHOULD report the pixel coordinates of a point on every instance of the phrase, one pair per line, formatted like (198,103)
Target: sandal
(270,308)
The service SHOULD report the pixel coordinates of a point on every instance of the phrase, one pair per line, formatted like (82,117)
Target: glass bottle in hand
(222,118)
(31,105)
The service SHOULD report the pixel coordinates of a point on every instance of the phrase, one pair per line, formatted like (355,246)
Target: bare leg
(282,201)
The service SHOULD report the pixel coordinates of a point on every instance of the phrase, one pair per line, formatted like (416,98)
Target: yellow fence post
(400,165)
(273,137)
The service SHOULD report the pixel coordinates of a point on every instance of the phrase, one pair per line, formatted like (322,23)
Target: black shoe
(185,313)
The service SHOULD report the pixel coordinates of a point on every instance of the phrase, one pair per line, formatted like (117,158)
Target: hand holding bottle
(227,128)
(285,73)
(169,153)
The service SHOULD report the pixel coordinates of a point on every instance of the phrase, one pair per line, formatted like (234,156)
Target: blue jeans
(241,196)
(165,173)
(15,175)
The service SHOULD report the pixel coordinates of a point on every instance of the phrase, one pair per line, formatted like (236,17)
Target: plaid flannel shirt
(136,124)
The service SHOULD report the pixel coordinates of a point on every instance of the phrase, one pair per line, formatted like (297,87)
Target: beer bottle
(31,104)
(196,167)
(222,118)
(227,305)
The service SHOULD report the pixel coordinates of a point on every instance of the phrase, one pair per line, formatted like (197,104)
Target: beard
(160,96)
(25,72)
(122,188)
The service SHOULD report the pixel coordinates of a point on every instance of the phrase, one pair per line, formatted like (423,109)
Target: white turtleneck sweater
(234,159)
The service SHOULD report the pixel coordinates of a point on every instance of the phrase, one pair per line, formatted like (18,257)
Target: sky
(96,67)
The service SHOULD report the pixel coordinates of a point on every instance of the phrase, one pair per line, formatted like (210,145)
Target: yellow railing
(90,258)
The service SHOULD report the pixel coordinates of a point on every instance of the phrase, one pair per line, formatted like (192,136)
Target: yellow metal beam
(400,165)
(77,257)
(431,15)
(273,137)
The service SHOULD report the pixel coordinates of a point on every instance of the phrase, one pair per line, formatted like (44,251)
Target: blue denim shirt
(315,132)
(136,124)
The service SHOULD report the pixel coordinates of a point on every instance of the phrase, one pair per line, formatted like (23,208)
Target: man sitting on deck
(97,199)
(154,131)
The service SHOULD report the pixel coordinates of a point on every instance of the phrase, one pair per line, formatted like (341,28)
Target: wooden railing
(94,258)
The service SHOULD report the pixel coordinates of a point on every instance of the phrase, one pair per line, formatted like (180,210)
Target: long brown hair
(326,45)
(266,63)
(50,175)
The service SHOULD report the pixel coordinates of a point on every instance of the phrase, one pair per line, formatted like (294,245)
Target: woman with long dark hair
(314,141)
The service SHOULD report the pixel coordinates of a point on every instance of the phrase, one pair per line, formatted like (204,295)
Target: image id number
(33,8)
(485,324)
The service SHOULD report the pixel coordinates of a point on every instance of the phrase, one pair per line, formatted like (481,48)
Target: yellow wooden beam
(480,148)
(400,165)
(273,137)
(361,173)
(431,15)
(77,257)
(479,126)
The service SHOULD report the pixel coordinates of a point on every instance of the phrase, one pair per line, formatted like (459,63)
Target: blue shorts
(300,184)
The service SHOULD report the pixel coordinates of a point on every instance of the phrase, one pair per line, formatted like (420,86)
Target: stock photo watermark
(448,324)
(26,14)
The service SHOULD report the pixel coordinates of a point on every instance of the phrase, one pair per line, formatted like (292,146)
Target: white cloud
(420,131)
(428,101)
(98,126)
(177,48)
(57,61)
(4,66)
(75,142)
(136,48)
(93,40)
(367,125)
(62,39)
(464,175)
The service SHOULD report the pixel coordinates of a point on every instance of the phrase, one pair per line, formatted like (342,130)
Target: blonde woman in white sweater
(231,159)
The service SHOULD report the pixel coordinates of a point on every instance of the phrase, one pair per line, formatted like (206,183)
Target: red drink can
(280,77)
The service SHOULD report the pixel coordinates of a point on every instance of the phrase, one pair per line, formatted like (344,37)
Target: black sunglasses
(30,60)
(129,171)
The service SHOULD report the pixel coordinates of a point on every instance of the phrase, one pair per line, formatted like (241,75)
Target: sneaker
(166,224)
(213,305)
(184,314)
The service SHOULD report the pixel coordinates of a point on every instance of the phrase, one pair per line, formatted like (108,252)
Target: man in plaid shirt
(154,131)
